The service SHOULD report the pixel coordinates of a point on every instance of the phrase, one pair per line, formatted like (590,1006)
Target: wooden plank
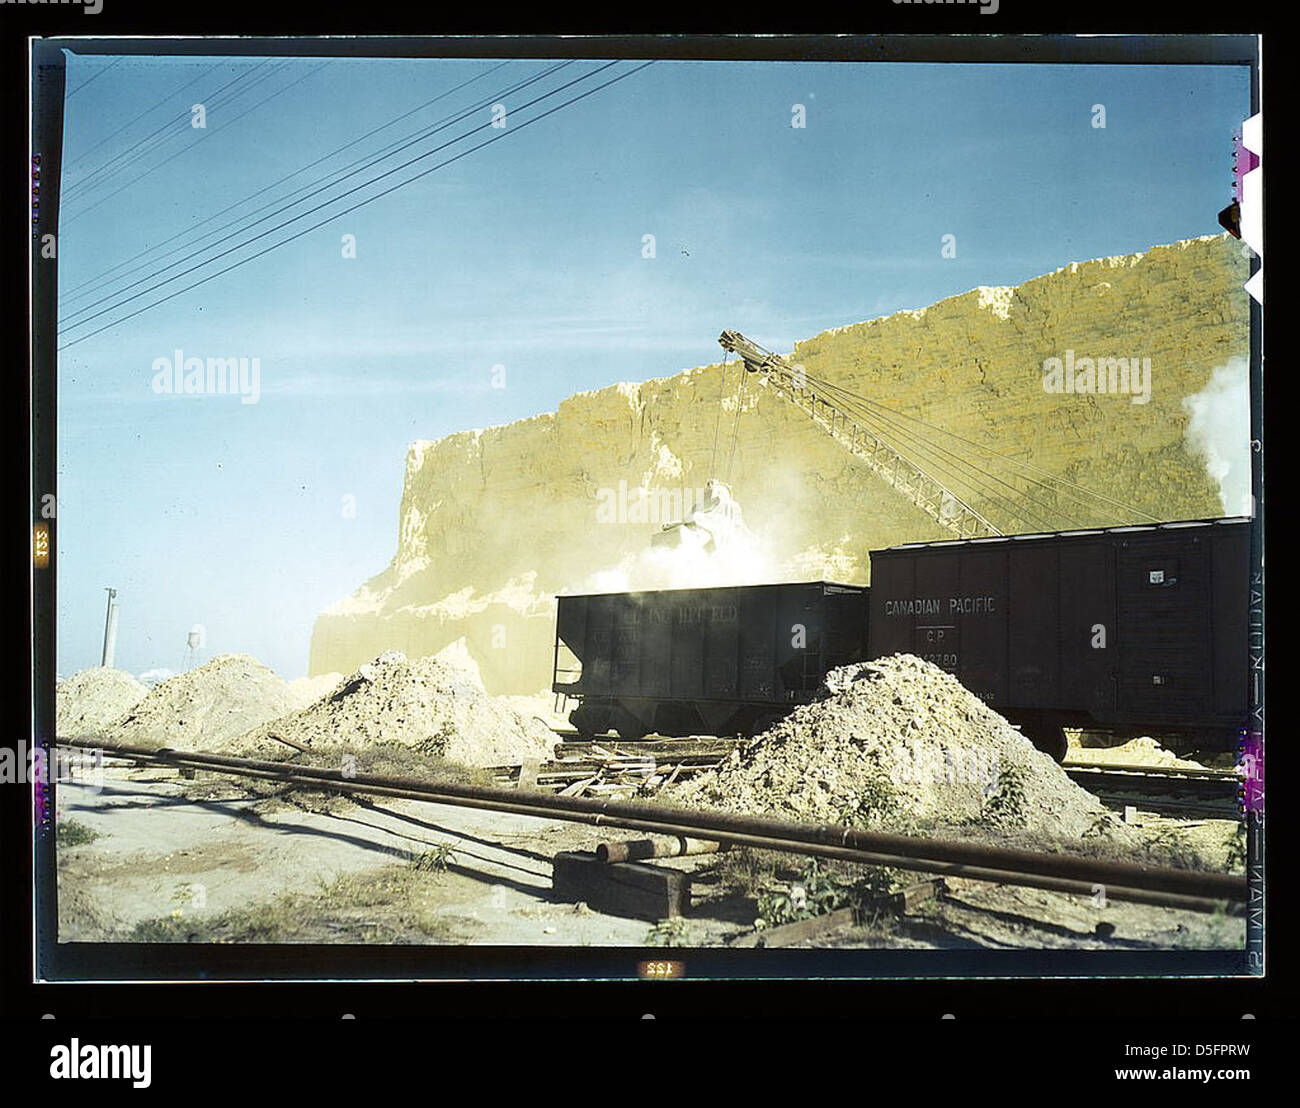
(630,889)
(787,934)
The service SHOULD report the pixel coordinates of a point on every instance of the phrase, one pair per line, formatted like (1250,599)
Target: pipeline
(1061,872)
(664,846)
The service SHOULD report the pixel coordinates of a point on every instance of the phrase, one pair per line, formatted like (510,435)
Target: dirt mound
(87,702)
(205,707)
(1136,752)
(898,744)
(427,704)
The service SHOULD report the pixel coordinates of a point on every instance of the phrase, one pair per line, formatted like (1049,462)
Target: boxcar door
(1164,618)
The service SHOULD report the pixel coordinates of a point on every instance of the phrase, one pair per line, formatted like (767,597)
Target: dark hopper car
(1132,629)
(703,661)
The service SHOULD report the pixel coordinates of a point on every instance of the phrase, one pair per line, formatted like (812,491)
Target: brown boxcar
(1134,629)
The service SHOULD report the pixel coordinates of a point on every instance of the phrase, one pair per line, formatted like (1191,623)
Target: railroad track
(1164,789)
(1144,884)
(1171,790)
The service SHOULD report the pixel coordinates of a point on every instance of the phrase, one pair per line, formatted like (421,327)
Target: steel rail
(1011,866)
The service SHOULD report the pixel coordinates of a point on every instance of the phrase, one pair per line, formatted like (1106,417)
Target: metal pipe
(858,857)
(666,846)
(825,840)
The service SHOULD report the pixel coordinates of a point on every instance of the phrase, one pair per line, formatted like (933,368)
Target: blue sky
(526,254)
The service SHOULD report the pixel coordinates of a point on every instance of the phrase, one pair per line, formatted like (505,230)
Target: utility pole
(110,629)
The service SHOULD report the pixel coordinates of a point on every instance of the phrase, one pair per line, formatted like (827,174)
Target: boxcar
(703,661)
(1135,629)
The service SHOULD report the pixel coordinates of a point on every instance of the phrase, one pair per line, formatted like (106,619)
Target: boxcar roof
(1073,533)
(723,588)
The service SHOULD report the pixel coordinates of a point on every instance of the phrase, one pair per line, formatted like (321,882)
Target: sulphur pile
(427,704)
(205,707)
(897,744)
(87,702)
(1143,751)
(307,690)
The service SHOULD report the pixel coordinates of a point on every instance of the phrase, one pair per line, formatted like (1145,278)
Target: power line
(92,79)
(103,173)
(71,293)
(374,161)
(310,211)
(322,184)
(206,135)
(82,157)
(363,203)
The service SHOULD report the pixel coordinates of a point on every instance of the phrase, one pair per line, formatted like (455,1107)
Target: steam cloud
(744,562)
(1219,430)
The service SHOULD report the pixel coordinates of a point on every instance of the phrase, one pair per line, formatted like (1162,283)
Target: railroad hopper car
(1139,630)
(703,661)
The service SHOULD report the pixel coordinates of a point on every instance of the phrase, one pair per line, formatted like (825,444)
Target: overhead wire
(362,203)
(136,119)
(72,322)
(76,291)
(329,181)
(92,79)
(103,173)
(225,123)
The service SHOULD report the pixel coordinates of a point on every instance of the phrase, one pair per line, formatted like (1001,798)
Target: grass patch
(392,905)
(71,832)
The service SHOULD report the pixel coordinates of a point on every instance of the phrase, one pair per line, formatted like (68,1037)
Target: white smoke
(743,562)
(711,548)
(1219,431)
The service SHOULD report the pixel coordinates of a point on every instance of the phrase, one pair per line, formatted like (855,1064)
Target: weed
(1008,801)
(433,861)
(668,932)
(70,833)
(873,803)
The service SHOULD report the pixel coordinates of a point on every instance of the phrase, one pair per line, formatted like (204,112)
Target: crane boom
(939,503)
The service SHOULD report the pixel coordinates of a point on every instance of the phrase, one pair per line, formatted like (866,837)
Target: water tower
(193,644)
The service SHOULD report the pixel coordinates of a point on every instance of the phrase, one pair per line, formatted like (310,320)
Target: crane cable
(735,427)
(717,419)
(1089,497)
